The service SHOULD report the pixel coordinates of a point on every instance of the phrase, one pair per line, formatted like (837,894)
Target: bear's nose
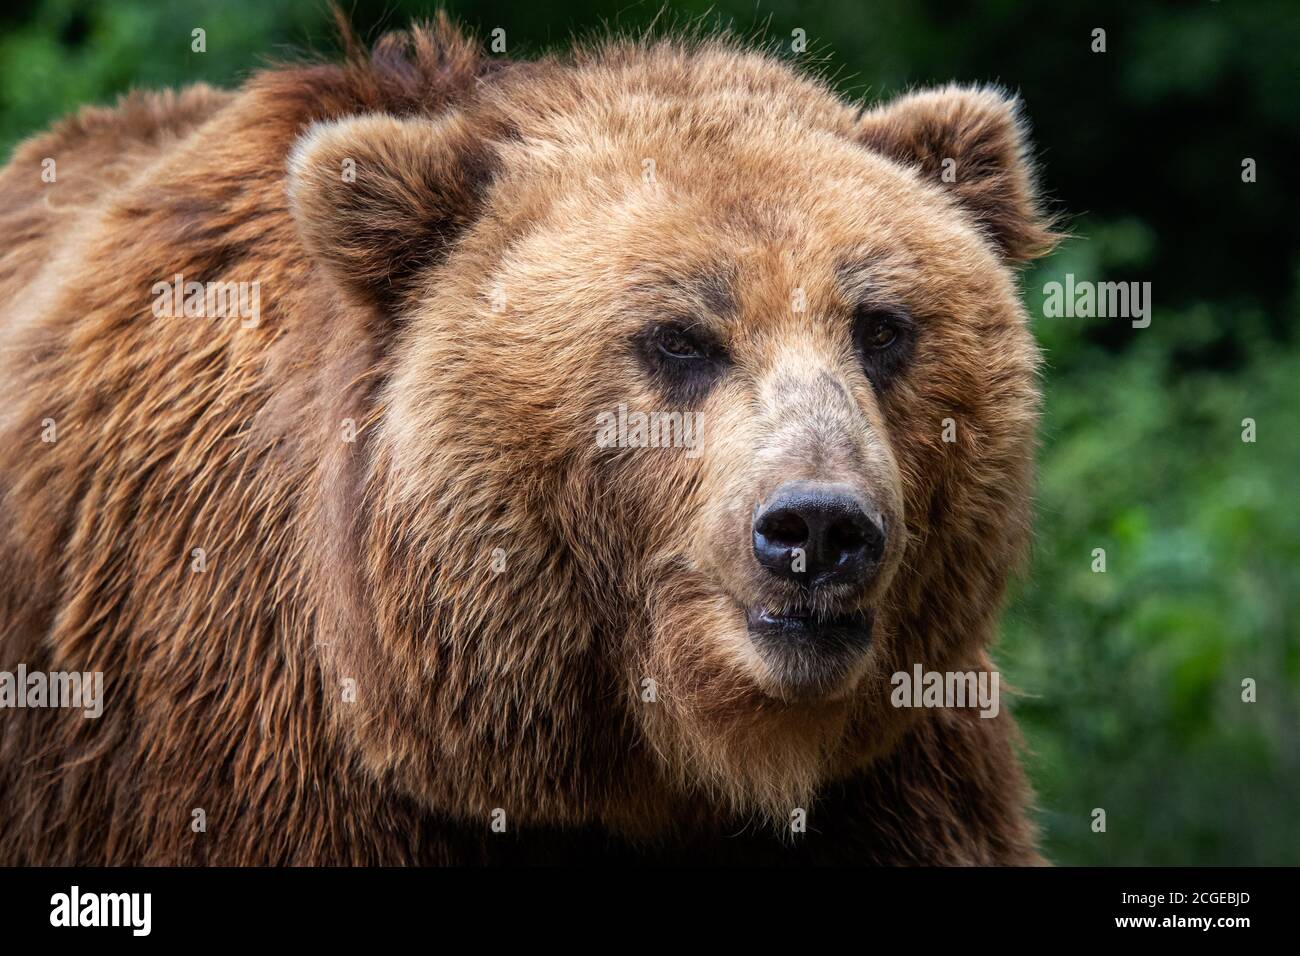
(817,533)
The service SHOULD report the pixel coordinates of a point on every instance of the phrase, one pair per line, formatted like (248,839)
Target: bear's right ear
(377,199)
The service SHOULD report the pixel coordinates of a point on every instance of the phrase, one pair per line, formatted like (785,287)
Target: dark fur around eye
(883,337)
(683,359)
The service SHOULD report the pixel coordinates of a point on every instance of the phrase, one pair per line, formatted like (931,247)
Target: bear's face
(746,363)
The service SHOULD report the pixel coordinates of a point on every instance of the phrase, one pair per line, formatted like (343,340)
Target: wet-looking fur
(426,592)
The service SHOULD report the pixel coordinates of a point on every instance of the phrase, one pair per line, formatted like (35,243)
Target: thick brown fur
(508,679)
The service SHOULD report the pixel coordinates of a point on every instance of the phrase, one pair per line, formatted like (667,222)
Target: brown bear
(451,460)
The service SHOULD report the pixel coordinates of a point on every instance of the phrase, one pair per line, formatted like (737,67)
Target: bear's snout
(818,533)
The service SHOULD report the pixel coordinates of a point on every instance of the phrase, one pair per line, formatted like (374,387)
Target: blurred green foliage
(1131,678)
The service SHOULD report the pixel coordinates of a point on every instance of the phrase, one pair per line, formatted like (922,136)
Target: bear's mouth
(810,655)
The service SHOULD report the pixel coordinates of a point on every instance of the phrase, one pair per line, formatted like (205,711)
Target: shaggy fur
(495,586)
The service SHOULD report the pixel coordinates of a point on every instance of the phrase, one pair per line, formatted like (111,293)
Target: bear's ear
(378,199)
(972,142)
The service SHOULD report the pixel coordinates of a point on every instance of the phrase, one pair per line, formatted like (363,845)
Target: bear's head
(698,403)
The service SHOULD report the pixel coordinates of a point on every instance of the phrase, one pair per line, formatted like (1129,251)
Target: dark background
(1131,678)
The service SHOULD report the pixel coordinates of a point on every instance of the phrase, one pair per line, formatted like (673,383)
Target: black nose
(817,533)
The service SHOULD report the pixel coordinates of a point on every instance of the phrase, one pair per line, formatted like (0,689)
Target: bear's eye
(879,334)
(683,358)
(883,337)
(677,343)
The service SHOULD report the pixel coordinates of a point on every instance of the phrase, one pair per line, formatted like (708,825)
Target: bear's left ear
(970,141)
(377,200)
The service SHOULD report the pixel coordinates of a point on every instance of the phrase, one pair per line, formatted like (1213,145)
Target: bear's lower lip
(854,628)
(810,656)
